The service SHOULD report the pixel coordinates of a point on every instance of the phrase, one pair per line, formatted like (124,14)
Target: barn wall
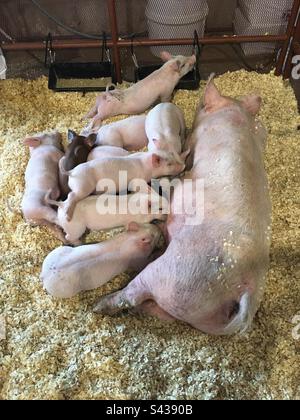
(23,21)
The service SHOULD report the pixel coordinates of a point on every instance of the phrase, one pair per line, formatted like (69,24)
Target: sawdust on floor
(61,350)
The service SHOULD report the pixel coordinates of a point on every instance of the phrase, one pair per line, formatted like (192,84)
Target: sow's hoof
(111,305)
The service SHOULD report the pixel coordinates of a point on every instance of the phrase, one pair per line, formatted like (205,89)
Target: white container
(3,66)
(266,11)
(175,19)
(242,26)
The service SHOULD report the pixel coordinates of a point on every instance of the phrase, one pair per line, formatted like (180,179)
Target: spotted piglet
(77,152)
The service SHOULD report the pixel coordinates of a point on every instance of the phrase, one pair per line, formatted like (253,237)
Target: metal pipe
(225,39)
(290,32)
(80,43)
(115,36)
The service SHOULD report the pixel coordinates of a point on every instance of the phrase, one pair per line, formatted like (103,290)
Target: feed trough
(189,82)
(79,77)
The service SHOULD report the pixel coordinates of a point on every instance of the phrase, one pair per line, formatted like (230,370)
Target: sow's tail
(243,320)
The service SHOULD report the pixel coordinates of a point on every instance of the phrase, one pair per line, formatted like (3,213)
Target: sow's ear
(32,142)
(213,100)
(212,96)
(166,56)
(252,103)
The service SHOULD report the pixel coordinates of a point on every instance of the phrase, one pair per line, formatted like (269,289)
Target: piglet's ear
(133,227)
(252,103)
(71,135)
(91,140)
(32,142)
(193,60)
(156,161)
(166,56)
(176,66)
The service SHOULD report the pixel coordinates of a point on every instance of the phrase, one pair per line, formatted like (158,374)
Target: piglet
(41,177)
(77,152)
(104,152)
(158,86)
(128,134)
(69,271)
(165,129)
(84,180)
(107,212)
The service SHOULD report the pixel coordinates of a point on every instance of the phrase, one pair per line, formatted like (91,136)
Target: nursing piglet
(84,180)
(107,212)
(69,271)
(158,86)
(104,152)
(165,129)
(212,275)
(42,176)
(128,134)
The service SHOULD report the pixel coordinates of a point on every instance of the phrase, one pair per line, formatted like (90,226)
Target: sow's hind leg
(135,295)
(132,296)
(152,309)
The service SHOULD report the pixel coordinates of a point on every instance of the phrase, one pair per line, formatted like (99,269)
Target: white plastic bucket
(175,19)
(265,11)
(242,26)
(3,66)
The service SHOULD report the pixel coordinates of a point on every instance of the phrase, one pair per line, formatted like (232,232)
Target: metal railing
(290,41)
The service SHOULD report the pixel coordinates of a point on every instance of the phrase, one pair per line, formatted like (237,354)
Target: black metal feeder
(65,77)
(190,81)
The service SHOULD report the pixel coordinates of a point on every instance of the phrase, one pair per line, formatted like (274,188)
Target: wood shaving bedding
(61,350)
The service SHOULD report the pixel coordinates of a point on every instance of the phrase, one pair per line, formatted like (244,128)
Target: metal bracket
(49,51)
